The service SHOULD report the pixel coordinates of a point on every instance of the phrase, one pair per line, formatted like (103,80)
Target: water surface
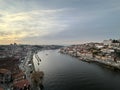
(63,72)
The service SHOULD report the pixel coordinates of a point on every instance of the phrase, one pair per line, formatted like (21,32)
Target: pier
(37,57)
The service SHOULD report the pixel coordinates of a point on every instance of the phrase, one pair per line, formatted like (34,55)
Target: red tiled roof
(4,71)
(1,88)
(22,83)
(19,74)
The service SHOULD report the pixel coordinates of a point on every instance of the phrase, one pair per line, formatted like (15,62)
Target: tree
(37,78)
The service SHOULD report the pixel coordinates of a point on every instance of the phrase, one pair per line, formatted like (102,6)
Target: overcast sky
(58,21)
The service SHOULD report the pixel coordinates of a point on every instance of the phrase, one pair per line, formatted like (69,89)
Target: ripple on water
(66,73)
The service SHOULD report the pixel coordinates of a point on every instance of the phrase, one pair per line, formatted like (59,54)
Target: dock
(37,57)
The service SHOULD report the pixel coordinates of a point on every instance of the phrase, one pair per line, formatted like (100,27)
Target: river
(63,72)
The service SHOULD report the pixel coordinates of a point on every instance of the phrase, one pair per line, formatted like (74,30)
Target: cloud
(52,21)
(17,26)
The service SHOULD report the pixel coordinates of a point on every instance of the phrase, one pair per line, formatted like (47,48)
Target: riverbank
(27,66)
(63,72)
(110,63)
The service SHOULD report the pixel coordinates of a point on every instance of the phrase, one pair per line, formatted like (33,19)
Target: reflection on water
(62,72)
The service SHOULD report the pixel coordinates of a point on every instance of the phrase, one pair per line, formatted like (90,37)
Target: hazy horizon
(61,22)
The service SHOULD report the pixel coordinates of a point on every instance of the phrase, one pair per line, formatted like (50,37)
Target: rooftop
(19,74)
(1,88)
(4,71)
(22,83)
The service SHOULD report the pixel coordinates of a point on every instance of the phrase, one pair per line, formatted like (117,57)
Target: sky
(58,21)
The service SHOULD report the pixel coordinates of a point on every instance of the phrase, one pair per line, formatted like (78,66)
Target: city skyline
(58,21)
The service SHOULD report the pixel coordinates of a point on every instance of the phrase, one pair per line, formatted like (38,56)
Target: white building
(107,50)
(107,42)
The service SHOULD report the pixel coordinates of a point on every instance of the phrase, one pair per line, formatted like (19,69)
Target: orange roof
(19,74)
(4,71)
(22,83)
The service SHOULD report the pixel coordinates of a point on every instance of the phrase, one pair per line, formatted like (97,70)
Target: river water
(63,72)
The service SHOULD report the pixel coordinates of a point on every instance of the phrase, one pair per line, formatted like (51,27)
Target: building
(108,50)
(5,76)
(22,85)
(19,76)
(113,43)
(107,42)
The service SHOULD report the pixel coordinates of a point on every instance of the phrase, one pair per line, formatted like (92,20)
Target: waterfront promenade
(27,66)
(109,63)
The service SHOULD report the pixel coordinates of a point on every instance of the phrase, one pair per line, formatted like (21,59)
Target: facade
(108,50)
(113,43)
(107,42)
